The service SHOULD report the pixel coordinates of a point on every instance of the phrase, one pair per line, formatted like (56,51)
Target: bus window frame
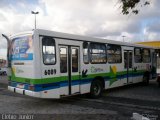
(66,60)
(140,54)
(41,37)
(90,53)
(116,54)
(143,55)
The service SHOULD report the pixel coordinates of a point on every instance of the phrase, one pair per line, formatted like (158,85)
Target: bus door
(128,64)
(154,65)
(69,68)
(158,62)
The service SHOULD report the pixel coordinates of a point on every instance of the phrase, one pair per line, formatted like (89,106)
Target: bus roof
(21,34)
(78,37)
(86,38)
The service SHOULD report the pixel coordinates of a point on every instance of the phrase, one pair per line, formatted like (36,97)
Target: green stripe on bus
(65,78)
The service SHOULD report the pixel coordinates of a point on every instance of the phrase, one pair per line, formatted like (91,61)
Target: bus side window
(74,60)
(98,53)
(146,56)
(137,55)
(63,60)
(85,53)
(48,46)
(114,53)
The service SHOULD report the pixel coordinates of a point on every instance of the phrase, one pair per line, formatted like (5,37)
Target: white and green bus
(47,64)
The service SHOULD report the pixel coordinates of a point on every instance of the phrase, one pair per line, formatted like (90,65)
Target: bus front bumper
(24,92)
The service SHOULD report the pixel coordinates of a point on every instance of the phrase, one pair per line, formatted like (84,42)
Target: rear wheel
(96,89)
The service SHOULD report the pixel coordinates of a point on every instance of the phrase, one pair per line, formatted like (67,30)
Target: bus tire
(96,89)
(146,80)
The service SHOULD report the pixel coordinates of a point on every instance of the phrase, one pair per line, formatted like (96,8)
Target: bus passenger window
(137,55)
(74,60)
(114,53)
(48,46)
(85,53)
(98,53)
(63,60)
(146,57)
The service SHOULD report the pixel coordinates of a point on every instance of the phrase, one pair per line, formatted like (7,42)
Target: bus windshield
(22,48)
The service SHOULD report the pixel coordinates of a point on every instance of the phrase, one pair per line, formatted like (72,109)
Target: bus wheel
(96,89)
(146,80)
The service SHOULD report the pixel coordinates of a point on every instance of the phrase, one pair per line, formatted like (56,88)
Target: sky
(96,18)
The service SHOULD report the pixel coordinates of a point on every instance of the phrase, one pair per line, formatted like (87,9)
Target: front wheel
(96,89)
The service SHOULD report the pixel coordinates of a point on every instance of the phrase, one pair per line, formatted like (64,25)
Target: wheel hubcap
(96,89)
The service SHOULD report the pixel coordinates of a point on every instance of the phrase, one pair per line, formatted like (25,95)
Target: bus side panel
(49,75)
(37,56)
(116,75)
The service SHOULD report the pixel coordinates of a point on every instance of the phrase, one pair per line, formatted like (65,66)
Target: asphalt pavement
(115,104)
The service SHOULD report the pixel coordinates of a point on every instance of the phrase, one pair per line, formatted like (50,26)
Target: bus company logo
(113,69)
(84,73)
(113,74)
(96,70)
